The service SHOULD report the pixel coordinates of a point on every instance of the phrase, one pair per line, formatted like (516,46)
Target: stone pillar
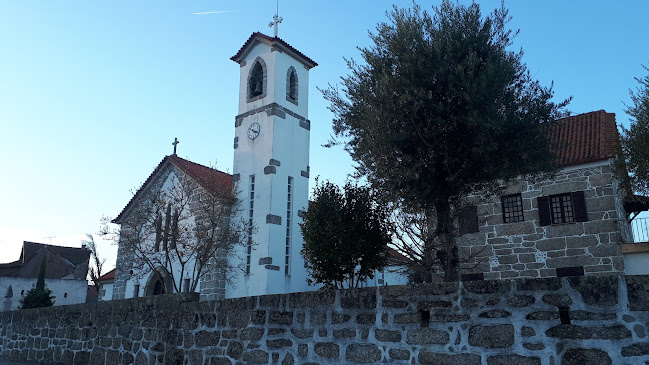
(6,305)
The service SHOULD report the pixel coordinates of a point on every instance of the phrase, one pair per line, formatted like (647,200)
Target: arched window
(257,80)
(291,85)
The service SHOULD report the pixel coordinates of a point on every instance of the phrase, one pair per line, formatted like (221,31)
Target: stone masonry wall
(527,249)
(590,320)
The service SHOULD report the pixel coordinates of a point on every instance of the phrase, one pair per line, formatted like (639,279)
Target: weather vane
(276,20)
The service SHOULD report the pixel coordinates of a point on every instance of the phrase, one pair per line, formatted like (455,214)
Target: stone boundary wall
(547,321)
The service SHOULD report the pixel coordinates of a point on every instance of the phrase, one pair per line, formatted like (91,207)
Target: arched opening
(159,283)
(291,85)
(158,288)
(257,80)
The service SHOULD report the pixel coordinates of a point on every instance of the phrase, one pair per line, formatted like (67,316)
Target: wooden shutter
(545,218)
(468,220)
(579,206)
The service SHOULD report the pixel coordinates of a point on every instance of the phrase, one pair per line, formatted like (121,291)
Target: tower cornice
(275,42)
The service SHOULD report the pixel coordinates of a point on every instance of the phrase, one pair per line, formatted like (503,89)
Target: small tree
(38,296)
(185,230)
(345,235)
(440,110)
(635,140)
(96,268)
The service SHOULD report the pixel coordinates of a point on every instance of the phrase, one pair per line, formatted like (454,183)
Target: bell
(258,90)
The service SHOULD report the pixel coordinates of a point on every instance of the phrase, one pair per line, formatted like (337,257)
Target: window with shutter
(562,208)
(468,220)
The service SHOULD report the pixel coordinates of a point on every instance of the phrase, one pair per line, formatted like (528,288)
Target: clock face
(253,130)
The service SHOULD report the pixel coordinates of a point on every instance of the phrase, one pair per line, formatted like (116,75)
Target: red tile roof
(272,41)
(212,180)
(107,276)
(583,138)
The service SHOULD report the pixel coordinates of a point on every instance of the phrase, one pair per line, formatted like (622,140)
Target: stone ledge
(635,247)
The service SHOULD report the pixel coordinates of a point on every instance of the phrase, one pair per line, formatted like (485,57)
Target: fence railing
(640,229)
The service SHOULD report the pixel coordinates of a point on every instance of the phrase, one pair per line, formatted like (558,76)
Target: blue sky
(92,93)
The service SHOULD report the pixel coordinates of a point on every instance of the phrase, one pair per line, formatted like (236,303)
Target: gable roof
(61,262)
(212,180)
(257,38)
(583,138)
(109,276)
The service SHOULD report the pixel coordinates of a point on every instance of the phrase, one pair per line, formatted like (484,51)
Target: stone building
(65,274)
(570,223)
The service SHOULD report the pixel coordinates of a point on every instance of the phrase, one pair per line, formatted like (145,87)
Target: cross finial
(276,20)
(175,143)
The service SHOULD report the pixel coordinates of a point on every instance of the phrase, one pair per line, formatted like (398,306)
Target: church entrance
(158,288)
(159,283)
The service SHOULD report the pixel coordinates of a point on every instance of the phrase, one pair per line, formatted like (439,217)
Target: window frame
(578,206)
(519,204)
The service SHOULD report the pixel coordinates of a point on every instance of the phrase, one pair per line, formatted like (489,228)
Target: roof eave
(257,38)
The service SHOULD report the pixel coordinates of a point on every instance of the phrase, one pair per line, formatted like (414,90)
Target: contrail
(215,12)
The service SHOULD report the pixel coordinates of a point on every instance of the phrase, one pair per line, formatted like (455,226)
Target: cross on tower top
(175,143)
(276,20)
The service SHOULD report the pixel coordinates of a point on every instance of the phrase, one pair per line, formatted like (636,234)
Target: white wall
(106,291)
(636,263)
(76,290)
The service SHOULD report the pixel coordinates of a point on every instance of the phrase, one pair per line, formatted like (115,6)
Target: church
(271,176)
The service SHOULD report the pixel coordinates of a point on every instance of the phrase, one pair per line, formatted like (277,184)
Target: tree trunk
(429,250)
(448,253)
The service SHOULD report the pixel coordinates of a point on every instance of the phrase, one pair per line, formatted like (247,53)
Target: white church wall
(130,277)
(65,291)
(105,292)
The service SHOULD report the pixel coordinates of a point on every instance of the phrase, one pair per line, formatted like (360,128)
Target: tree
(346,234)
(95,271)
(441,109)
(635,140)
(184,231)
(38,296)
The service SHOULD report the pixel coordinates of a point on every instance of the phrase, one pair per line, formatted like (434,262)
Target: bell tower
(271,164)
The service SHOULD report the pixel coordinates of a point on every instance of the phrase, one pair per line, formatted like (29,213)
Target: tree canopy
(635,140)
(440,109)
(345,235)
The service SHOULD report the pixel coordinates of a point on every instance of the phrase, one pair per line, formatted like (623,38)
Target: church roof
(584,138)
(212,180)
(257,38)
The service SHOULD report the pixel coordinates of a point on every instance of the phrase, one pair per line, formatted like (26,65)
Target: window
(136,290)
(289,201)
(250,223)
(291,85)
(512,208)
(186,285)
(257,80)
(468,220)
(562,208)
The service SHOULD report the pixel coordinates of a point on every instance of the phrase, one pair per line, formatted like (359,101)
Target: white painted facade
(65,291)
(283,147)
(636,263)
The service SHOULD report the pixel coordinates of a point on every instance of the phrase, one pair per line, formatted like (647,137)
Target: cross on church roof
(276,20)
(175,143)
